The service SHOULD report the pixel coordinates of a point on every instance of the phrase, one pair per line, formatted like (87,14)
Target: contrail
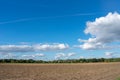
(17,20)
(50,17)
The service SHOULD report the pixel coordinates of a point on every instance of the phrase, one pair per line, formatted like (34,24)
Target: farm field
(78,71)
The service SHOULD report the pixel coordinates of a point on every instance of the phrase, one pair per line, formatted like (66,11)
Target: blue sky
(53,29)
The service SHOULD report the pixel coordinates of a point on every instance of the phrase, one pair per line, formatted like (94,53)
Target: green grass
(118,78)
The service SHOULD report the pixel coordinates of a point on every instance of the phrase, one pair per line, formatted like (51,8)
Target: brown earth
(80,71)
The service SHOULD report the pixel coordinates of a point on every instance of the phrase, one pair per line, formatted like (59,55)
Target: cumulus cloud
(32,48)
(104,31)
(55,46)
(15,48)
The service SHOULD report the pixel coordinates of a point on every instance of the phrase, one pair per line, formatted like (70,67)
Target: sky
(59,29)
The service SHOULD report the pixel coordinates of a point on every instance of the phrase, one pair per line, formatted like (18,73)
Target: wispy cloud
(17,20)
(49,17)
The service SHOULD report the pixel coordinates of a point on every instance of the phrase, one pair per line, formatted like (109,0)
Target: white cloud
(59,55)
(81,57)
(64,55)
(15,48)
(71,54)
(4,53)
(55,46)
(109,54)
(33,48)
(39,55)
(103,31)
(32,56)
(28,56)
(7,56)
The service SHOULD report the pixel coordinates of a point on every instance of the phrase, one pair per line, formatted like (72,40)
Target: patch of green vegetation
(118,78)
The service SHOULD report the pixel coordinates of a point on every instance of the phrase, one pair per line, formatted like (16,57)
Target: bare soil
(80,71)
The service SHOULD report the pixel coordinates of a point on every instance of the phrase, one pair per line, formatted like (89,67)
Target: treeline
(93,60)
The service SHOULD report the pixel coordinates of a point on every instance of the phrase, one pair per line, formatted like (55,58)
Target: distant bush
(93,60)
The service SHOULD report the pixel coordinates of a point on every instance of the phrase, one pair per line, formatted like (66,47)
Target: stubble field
(84,71)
